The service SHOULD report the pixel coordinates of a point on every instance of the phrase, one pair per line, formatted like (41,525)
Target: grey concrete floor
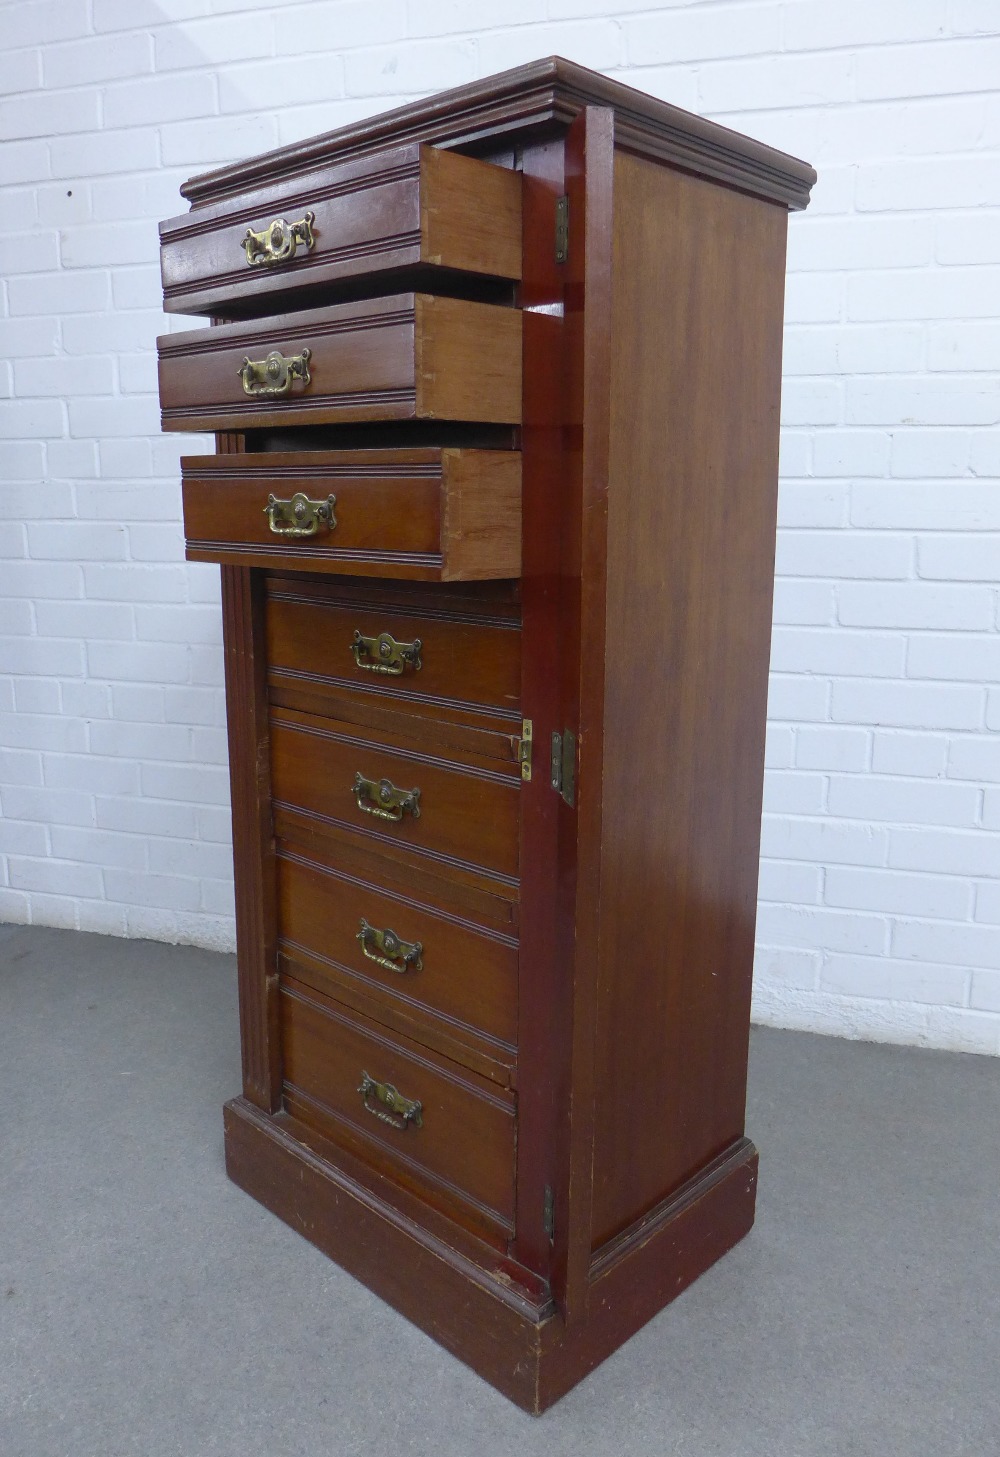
(149,1307)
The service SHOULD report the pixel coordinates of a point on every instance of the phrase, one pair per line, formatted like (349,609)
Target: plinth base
(515,1339)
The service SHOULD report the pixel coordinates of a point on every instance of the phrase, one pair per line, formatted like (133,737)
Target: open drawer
(432,515)
(413,213)
(406,357)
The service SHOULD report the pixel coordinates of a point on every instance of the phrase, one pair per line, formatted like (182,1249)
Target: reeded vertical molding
(590,160)
(253,842)
(545,969)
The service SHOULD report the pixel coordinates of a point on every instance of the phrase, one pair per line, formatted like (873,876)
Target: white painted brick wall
(880,882)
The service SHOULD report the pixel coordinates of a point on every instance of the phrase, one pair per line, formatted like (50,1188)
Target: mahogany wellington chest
(494,380)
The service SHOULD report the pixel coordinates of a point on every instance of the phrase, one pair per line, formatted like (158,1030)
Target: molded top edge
(543,96)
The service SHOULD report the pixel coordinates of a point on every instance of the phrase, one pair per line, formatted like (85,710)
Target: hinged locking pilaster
(564,765)
(562,229)
(524,748)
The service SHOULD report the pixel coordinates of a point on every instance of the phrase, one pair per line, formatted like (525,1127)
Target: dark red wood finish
(546,953)
(692,509)
(469,660)
(576,1033)
(406,357)
(253,845)
(465,975)
(514,109)
(478,1305)
(414,210)
(420,515)
(462,1142)
(467,809)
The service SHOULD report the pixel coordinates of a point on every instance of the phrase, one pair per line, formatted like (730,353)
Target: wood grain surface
(430,515)
(446,884)
(253,844)
(405,357)
(466,975)
(468,805)
(475,1303)
(546,965)
(465,661)
(403,208)
(696,347)
(480,515)
(524,105)
(565,490)
(465,1137)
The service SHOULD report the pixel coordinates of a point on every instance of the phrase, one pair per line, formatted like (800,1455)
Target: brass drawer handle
(277,242)
(401,1111)
(383,654)
(381,798)
(386,949)
(300,516)
(274,375)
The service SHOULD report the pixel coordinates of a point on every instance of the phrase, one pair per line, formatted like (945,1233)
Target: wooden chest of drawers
(494,380)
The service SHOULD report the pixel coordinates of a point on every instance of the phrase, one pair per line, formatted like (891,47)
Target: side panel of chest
(696,351)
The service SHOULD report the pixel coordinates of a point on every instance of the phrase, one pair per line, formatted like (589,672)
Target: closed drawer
(411,208)
(352,938)
(414,1112)
(408,357)
(424,515)
(434,662)
(462,810)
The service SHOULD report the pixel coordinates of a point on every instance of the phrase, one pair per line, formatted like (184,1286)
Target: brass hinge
(562,229)
(564,765)
(549,1213)
(523,748)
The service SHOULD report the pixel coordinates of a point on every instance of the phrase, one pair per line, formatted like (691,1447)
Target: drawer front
(411,356)
(457,663)
(430,515)
(465,812)
(412,207)
(441,1127)
(401,952)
